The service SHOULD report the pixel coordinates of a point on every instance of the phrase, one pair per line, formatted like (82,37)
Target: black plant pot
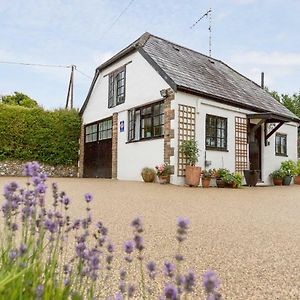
(251,177)
(287,180)
(220,183)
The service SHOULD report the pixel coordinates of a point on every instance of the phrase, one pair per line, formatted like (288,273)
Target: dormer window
(116,88)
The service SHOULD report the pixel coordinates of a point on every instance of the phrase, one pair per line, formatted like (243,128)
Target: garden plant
(47,255)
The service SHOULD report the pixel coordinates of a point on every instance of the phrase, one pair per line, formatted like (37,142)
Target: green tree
(290,102)
(20,100)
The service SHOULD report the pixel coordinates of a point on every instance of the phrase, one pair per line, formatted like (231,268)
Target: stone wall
(15,168)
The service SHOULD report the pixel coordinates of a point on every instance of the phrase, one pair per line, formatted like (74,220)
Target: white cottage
(154,94)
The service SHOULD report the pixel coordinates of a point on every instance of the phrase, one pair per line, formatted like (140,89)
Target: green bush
(35,134)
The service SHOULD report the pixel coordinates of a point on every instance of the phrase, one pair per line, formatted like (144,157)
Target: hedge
(51,137)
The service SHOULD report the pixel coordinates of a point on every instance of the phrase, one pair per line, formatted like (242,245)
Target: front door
(98,149)
(255,150)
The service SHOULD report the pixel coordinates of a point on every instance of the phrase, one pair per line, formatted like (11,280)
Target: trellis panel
(186,132)
(241,146)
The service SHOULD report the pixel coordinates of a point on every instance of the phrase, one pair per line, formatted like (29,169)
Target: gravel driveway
(250,236)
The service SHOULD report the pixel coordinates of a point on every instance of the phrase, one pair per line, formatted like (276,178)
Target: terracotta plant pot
(277,181)
(230,185)
(192,175)
(220,183)
(297,179)
(206,182)
(164,179)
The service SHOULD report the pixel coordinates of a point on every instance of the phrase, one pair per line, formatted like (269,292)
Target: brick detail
(168,131)
(81,152)
(115,145)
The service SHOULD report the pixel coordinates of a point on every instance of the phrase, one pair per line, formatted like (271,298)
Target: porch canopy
(268,118)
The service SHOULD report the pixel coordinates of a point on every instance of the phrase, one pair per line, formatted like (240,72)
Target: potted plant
(163,172)
(277,177)
(206,177)
(229,180)
(237,179)
(148,174)
(191,152)
(219,174)
(251,177)
(288,168)
(297,175)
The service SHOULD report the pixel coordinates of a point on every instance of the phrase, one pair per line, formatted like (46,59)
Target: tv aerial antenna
(207,15)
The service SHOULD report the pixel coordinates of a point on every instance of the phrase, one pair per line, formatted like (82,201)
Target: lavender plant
(37,261)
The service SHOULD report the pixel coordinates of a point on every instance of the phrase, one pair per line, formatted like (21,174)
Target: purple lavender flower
(66,200)
(110,247)
(139,242)
(14,226)
(123,274)
(151,267)
(12,254)
(41,188)
(10,188)
(169,269)
(130,291)
(128,247)
(50,225)
(44,177)
(76,224)
(182,227)
(122,286)
(189,281)
(119,296)
(28,171)
(171,292)
(23,249)
(94,262)
(39,291)
(88,197)
(137,225)
(211,281)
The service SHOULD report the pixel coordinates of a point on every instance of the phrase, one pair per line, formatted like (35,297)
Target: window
(105,130)
(91,133)
(216,133)
(281,144)
(146,122)
(116,88)
(101,130)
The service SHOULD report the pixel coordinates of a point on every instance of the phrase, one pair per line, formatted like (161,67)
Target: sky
(249,35)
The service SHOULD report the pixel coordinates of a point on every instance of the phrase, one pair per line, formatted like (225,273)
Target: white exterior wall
(143,85)
(222,159)
(270,161)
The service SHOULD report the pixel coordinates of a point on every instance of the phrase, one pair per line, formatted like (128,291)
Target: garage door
(98,149)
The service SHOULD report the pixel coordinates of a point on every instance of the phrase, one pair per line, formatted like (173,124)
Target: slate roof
(187,70)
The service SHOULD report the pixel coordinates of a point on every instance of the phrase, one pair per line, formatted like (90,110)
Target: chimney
(262,84)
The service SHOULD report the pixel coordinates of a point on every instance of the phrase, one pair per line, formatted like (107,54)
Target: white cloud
(243,1)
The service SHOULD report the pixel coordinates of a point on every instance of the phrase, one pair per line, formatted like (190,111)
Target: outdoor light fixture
(163,93)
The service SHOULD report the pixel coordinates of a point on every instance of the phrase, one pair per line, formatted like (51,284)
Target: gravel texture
(250,236)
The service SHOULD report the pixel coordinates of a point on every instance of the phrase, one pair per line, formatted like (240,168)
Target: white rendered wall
(270,161)
(143,85)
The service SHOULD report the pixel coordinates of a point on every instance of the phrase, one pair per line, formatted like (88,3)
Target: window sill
(216,149)
(283,155)
(146,139)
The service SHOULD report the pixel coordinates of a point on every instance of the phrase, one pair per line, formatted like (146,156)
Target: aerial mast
(209,15)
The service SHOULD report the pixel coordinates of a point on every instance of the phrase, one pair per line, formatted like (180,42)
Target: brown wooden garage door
(98,149)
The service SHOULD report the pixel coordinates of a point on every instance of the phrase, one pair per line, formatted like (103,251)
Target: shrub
(208,173)
(277,174)
(288,167)
(191,151)
(38,260)
(51,137)
(220,173)
(163,170)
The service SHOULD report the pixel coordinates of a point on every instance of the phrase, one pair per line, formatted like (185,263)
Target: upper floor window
(116,87)
(281,144)
(216,133)
(146,122)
